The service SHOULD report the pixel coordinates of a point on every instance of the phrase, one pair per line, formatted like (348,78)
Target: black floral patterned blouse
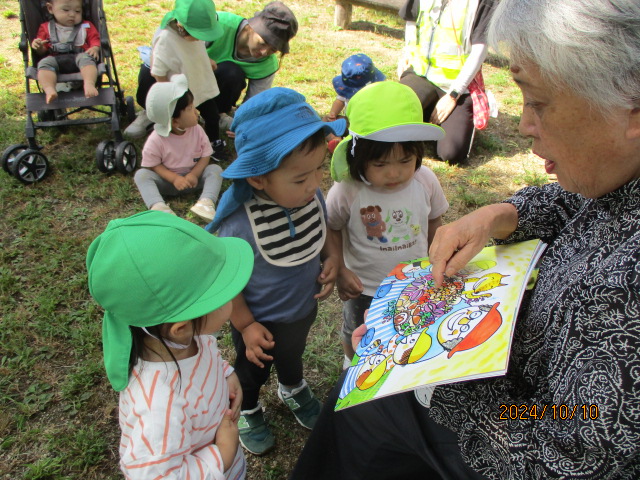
(576,350)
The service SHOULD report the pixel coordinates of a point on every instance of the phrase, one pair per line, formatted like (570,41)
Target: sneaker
(140,126)
(219,154)
(162,207)
(304,405)
(204,209)
(255,436)
(225,122)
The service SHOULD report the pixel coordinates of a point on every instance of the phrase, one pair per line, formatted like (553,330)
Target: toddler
(358,71)
(275,204)
(385,205)
(178,46)
(165,285)
(175,157)
(71,45)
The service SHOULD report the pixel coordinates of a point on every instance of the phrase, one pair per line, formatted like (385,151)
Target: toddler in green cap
(385,205)
(178,46)
(166,285)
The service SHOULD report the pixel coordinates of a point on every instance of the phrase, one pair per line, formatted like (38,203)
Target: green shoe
(304,405)
(255,435)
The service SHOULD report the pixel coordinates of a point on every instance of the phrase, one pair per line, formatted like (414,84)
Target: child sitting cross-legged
(175,157)
(275,204)
(166,285)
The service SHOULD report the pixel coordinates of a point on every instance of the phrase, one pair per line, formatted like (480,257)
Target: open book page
(418,335)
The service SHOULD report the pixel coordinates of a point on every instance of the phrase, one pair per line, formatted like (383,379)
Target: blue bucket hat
(358,71)
(268,127)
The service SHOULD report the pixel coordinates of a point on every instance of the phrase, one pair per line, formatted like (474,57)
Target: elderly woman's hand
(455,244)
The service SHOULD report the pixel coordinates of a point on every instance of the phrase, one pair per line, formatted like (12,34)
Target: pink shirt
(179,153)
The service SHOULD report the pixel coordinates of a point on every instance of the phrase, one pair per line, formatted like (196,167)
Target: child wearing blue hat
(275,204)
(166,285)
(358,71)
(385,205)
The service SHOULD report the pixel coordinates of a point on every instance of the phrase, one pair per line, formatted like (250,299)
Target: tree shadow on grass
(364,26)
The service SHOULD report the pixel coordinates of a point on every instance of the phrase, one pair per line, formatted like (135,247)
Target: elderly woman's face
(590,153)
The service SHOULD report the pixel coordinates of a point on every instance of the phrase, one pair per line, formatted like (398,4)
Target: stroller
(26,162)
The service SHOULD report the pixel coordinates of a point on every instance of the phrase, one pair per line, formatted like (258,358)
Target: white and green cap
(385,112)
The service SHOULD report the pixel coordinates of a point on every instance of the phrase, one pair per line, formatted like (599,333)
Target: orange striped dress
(169,418)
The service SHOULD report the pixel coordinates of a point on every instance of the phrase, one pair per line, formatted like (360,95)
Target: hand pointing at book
(455,244)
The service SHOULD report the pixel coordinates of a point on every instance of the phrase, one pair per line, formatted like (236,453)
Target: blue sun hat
(268,127)
(358,71)
(384,112)
(154,268)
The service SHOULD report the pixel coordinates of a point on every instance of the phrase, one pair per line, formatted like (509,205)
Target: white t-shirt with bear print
(381,228)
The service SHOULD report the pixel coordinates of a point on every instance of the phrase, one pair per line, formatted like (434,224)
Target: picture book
(418,335)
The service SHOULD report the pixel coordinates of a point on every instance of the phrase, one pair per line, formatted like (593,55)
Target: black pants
(458,127)
(385,439)
(208,109)
(290,341)
(231,82)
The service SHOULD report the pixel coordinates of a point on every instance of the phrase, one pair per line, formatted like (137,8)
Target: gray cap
(276,24)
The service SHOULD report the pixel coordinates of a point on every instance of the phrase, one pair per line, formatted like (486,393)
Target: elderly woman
(577,341)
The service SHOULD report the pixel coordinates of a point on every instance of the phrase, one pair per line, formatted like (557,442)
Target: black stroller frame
(26,161)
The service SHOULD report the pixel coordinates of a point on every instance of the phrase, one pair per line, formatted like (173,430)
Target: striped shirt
(169,418)
(286,237)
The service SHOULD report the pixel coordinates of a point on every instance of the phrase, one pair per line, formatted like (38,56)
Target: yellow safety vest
(442,42)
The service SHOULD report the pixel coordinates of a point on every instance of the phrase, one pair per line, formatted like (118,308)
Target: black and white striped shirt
(287,237)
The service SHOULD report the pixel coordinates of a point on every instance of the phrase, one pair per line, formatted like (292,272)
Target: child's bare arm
(176,180)
(256,337)
(227,439)
(39,45)
(198,168)
(331,256)
(94,52)
(336,108)
(434,224)
(348,283)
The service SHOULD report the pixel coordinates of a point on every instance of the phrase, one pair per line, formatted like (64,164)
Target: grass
(58,414)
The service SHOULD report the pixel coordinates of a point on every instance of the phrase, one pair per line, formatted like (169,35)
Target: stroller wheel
(105,156)
(30,166)
(130,109)
(126,157)
(9,155)
(51,115)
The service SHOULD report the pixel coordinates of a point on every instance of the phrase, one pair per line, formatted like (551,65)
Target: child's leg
(211,181)
(89,72)
(251,377)
(352,317)
(209,113)
(152,186)
(231,82)
(47,77)
(290,342)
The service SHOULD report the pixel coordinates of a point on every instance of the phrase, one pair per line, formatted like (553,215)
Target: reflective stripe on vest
(443,39)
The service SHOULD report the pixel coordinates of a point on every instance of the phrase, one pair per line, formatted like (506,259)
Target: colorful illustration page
(418,335)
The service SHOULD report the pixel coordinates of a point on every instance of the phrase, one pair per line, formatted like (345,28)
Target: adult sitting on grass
(247,51)
(576,347)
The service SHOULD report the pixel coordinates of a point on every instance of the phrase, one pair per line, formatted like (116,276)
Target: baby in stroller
(72,45)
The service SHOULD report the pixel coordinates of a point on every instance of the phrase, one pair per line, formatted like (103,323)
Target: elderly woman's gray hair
(591,47)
